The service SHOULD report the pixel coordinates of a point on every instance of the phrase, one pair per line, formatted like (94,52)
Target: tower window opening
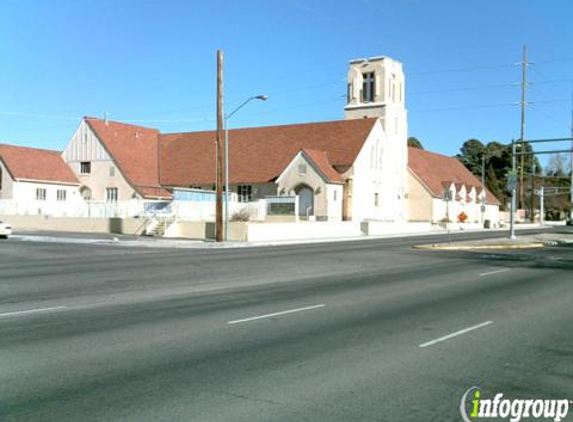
(368,87)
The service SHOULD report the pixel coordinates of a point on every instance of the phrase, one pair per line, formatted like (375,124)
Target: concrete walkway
(520,242)
(159,242)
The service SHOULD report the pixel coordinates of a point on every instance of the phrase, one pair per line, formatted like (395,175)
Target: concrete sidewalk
(520,242)
(159,242)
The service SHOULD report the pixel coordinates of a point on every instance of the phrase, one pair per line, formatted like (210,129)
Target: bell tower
(376,88)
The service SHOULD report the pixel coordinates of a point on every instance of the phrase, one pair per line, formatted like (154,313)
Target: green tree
(415,143)
(471,154)
(495,186)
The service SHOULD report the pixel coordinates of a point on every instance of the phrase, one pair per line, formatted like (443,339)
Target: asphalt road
(352,331)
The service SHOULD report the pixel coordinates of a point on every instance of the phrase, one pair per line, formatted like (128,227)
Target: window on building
(334,195)
(368,87)
(302,168)
(245,193)
(40,194)
(85,167)
(349,92)
(61,195)
(376,200)
(393,87)
(0,179)
(111,194)
(112,171)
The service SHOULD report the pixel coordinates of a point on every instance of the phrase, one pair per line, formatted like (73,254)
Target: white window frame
(245,193)
(111,195)
(41,194)
(88,165)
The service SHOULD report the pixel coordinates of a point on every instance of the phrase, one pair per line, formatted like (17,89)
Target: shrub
(242,215)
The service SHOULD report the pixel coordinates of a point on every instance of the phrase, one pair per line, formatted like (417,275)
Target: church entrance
(305,200)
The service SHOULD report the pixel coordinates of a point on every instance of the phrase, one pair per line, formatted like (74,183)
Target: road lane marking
(457,333)
(290,311)
(32,311)
(495,272)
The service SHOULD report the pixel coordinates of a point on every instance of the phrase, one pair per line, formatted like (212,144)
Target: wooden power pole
(220,149)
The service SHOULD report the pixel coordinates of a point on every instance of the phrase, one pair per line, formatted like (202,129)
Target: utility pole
(523,104)
(541,205)
(482,205)
(532,197)
(571,163)
(512,213)
(219,150)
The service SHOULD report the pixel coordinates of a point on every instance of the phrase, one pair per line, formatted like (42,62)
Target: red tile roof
(321,162)
(435,169)
(135,151)
(35,164)
(258,155)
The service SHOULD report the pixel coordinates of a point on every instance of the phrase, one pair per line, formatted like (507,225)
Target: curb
(470,247)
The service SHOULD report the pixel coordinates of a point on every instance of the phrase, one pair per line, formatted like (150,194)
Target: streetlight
(227,117)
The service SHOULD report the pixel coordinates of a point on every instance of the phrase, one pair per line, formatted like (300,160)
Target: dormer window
(368,87)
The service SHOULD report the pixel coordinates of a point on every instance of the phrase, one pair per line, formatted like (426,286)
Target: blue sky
(153,62)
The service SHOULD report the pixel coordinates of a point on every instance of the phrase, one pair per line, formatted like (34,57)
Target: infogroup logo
(474,407)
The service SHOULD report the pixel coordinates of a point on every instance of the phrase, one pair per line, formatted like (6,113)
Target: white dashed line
(457,333)
(495,272)
(290,311)
(32,311)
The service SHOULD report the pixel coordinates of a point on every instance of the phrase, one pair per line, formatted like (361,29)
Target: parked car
(5,230)
(569,221)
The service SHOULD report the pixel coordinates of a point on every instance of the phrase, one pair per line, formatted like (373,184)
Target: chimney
(105,113)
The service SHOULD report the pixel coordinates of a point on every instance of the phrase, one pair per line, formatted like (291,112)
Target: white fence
(180,210)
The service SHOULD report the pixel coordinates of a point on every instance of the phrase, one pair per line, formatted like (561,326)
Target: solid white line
(307,308)
(495,272)
(457,333)
(32,311)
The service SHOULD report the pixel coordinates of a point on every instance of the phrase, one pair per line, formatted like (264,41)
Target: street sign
(511,180)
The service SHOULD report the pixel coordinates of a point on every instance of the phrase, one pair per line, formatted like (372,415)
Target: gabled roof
(320,160)
(135,151)
(39,165)
(434,169)
(259,155)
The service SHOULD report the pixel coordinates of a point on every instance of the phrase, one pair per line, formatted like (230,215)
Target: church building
(357,169)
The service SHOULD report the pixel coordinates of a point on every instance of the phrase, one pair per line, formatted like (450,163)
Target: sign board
(281,205)
(511,180)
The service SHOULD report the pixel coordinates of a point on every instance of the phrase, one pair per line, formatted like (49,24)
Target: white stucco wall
(472,209)
(24,196)
(334,194)
(380,168)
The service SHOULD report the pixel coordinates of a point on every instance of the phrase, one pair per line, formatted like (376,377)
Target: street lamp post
(227,117)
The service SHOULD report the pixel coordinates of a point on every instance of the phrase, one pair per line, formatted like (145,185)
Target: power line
(461,69)
(472,88)
(549,117)
(38,115)
(468,107)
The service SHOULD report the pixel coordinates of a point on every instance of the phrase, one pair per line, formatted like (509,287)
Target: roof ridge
(52,151)
(326,122)
(115,122)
